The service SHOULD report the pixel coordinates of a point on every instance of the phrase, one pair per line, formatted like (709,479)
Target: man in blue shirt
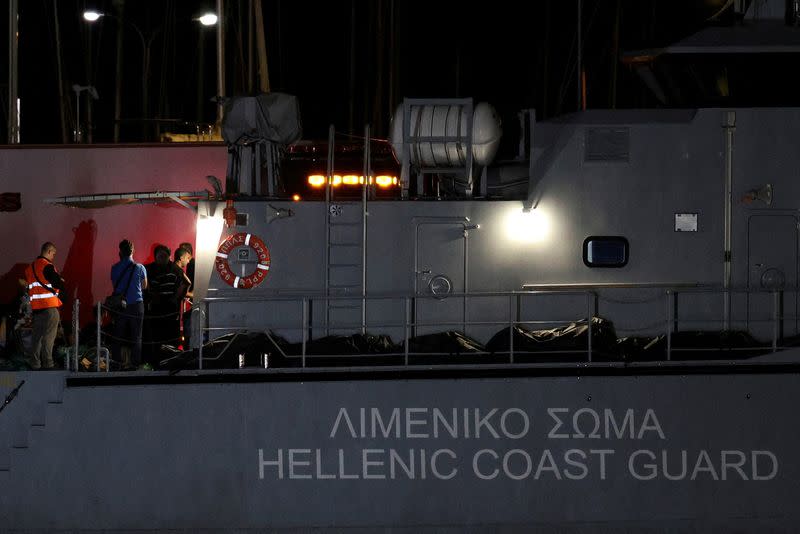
(130,279)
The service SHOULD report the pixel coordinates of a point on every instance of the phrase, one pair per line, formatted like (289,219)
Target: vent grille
(607,144)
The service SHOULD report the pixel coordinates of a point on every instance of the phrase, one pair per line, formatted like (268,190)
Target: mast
(263,70)
(61,110)
(13,71)
(120,4)
(579,81)
(220,57)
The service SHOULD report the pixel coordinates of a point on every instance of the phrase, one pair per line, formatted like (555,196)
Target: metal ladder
(346,251)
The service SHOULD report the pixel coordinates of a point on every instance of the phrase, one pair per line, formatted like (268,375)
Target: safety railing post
(76,322)
(775,319)
(304,328)
(668,324)
(519,309)
(200,328)
(511,323)
(675,313)
(99,323)
(406,319)
(590,307)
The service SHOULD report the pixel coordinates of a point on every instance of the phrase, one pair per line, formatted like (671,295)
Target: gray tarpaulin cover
(273,117)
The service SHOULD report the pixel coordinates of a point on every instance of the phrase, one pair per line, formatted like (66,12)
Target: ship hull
(684,448)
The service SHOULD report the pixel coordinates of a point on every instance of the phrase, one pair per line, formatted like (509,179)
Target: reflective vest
(42,296)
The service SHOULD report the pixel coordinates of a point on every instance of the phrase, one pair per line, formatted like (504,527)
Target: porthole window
(605,251)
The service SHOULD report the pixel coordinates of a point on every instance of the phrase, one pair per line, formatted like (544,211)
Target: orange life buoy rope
(224,268)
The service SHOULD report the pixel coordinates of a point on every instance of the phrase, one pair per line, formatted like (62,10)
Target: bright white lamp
(530,226)
(208,19)
(91,15)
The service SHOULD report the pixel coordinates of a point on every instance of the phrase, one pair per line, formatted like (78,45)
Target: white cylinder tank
(448,121)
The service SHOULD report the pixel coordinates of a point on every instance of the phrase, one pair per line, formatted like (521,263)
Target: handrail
(307,325)
(381,296)
(671,317)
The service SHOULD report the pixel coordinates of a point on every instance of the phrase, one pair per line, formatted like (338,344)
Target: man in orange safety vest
(44,285)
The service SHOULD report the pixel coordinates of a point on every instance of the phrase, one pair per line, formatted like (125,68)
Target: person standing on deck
(168,284)
(181,260)
(44,286)
(130,278)
(161,286)
(187,315)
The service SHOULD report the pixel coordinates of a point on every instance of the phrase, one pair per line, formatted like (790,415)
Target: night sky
(511,54)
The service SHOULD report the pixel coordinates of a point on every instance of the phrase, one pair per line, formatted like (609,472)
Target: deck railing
(406,305)
(591,295)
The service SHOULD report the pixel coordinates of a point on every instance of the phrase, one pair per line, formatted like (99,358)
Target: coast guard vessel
(596,334)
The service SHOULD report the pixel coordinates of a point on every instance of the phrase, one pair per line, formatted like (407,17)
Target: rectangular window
(605,251)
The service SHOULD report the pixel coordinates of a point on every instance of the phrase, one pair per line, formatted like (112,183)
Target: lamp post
(220,59)
(13,71)
(206,20)
(78,137)
(218,19)
(94,16)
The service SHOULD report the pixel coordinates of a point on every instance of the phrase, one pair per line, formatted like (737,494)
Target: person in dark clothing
(168,284)
(44,287)
(189,266)
(129,279)
(181,260)
(187,315)
(153,299)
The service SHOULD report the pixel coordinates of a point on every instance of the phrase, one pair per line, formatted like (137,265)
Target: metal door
(772,279)
(440,273)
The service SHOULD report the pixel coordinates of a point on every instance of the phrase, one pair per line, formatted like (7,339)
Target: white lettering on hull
(491,429)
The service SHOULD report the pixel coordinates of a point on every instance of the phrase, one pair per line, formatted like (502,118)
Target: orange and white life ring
(224,268)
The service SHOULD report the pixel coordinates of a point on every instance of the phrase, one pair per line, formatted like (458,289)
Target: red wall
(87,239)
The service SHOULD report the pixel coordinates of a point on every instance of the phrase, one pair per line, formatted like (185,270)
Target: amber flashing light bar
(383,180)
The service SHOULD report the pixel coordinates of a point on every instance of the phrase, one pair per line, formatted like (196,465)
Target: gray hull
(600,449)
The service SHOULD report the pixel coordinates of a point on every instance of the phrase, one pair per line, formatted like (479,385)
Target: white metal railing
(669,322)
(405,303)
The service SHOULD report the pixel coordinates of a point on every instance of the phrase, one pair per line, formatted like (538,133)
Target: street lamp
(208,19)
(217,19)
(92,16)
(78,90)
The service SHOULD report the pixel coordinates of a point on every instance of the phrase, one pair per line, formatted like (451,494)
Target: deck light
(527,226)
(208,233)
